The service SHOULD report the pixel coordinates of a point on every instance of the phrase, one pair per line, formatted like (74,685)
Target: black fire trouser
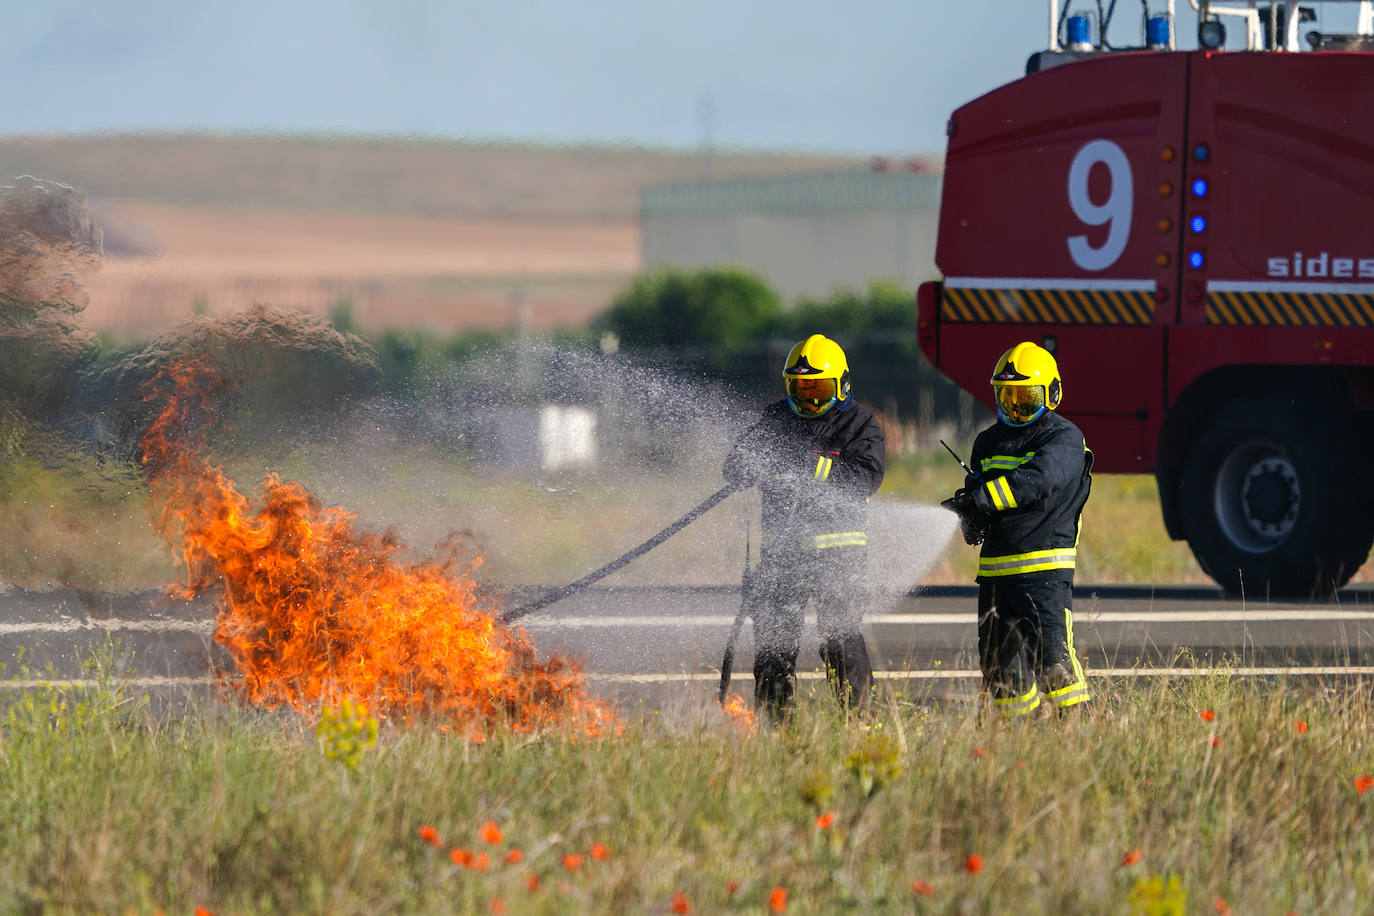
(833,580)
(1025,645)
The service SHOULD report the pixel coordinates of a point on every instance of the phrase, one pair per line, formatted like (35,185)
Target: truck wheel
(1265,507)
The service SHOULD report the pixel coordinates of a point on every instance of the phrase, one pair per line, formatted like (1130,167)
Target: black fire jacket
(1032,481)
(816,474)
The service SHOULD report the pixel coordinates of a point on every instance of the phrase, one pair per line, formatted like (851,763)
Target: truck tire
(1266,505)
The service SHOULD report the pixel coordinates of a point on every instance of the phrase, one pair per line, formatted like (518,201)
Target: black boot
(775,686)
(849,670)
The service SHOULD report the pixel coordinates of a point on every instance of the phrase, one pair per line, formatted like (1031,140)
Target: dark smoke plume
(48,244)
(278,371)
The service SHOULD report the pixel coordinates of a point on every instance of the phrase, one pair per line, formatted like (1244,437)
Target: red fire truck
(1191,233)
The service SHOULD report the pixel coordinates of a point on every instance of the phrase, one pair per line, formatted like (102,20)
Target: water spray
(727,663)
(564,591)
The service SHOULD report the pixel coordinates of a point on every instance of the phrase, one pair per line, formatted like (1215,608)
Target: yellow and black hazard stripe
(1048,306)
(1290,308)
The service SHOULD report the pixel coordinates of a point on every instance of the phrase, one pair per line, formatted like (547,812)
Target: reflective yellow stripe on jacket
(840,539)
(1005,462)
(1000,492)
(1035,561)
(823,465)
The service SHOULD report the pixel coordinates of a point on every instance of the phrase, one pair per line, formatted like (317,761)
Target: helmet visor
(1020,404)
(811,396)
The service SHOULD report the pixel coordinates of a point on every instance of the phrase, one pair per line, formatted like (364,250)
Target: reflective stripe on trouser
(823,465)
(1021,641)
(1076,691)
(1023,705)
(1014,564)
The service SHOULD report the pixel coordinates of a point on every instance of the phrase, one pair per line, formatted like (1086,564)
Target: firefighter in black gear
(1030,477)
(817,456)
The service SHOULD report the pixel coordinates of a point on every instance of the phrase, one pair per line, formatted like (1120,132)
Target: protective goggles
(1018,405)
(811,397)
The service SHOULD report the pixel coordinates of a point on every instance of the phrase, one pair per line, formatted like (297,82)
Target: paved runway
(664,645)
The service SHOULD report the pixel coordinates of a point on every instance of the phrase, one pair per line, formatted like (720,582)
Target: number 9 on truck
(1114,212)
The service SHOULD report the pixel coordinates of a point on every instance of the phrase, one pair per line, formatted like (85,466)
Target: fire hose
(564,591)
(727,663)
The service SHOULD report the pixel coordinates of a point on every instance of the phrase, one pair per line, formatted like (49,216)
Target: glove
(974,529)
(961,503)
(973,521)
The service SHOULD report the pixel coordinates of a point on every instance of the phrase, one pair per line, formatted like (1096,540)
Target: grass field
(1210,796)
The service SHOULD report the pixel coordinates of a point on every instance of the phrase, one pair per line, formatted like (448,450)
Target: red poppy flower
(1364,783)
(1301,726)
(515,855)
(573,861)
(599,852)
(498,906)
(460,857)
(922,888)
(481,863)
(429,835)
(1207,715)
(1213,740)
(731,887)
(777,900)
(977,752)
(973,864)
(1131,857)
(489,833)
(532,883)
(1221,907)
(823,821)
(680,904)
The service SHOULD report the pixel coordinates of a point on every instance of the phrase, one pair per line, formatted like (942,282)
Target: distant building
(806,235)
(551,437)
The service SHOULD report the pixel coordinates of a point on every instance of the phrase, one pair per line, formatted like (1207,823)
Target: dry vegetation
(1208,796)
(411,232)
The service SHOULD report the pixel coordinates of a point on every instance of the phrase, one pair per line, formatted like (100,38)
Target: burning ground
(315,610)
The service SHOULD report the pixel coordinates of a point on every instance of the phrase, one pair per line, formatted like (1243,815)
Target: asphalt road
(663,646)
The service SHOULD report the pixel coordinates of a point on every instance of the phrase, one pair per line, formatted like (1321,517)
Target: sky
(865,77)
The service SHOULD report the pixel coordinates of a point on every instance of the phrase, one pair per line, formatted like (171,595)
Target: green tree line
(728,323)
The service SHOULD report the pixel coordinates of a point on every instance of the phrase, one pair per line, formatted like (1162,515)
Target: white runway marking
(956,674)
(76,625)
(714,677)
(942,619)
(73,625)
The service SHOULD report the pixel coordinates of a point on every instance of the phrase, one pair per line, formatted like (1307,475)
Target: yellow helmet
(815,376)
(1025,382)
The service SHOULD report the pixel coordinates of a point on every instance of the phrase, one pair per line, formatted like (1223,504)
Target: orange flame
(314,610)
(741,715)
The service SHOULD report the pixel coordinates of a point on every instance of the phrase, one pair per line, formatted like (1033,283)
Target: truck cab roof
(1272,27)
